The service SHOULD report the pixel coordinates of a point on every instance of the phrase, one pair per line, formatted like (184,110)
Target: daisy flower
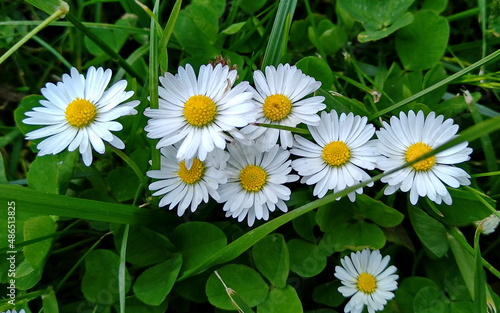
(411,136)
(183,187)
(14,311)
(255,182)
(342,150)
(197,111)
(280,97)
(367,279)
(79,113)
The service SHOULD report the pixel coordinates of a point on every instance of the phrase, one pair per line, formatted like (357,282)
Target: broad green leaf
(144,247)
(197,241)
(336,213)
(430,299)
(407,290)
(219,6)
(271,258)
(155,283)
(328,294)
(318,69)
(123,182)
(465,209)
(333,39)
(115,38)
(377,211)
(251,7)
(304,226)
(135,305)
(374,35)
(306,259)
(49,302)
(379,18)
(193,288)
(100,282)
(299,36)
(347,236)
(32,201)
(246,282)
(437,6)
(27,104)
(35,227)
(281,300)
(433,76)
(422,43)
(52,173)
(462,307)
(233,28)
(197,28)
(431,232)
(341,103)
(27,276)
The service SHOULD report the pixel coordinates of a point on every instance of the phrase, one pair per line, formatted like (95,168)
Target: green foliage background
(91,239)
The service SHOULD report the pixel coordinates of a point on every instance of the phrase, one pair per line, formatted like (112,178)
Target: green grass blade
(278,39)
(77,264)
(167,32)
(488,149)
(55,15)
(49,6)
(122,268)
(439,84)
(479,276)
(236,300)
(104,47)
(153,82)
(246,241)
(28,200)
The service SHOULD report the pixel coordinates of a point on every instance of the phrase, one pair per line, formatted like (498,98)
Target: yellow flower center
(192,175)
(200,110)
(336,153)
(253,178)
(80,113)
(366,283)
(277,107)
(417,150)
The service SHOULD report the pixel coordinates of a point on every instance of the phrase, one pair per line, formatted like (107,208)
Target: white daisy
(256,181)
(79,113)
(280,97)
(342,150)
(184,187)
(366,277)
(409,137)
(14,311)
(197,111)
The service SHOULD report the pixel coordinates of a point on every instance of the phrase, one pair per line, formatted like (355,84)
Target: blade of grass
(479,276)
(247,240)
(439,84)
(121,269)
(153,83)
(28,200)
(278,39)
(236,300)
(104,47)
(167,32)
(62,11)
(49,48)
(77,264)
